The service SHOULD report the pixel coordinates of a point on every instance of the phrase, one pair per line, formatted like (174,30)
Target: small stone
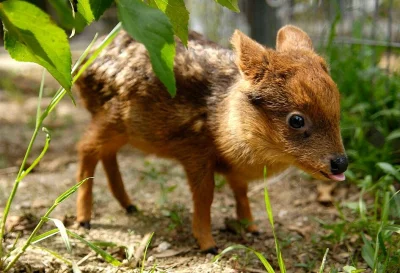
(150,259)
(282,213)
(163,246)
(210,256)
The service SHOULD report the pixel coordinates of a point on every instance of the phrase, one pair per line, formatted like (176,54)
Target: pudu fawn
(234,113)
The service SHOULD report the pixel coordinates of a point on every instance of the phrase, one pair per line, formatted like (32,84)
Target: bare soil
(158,188)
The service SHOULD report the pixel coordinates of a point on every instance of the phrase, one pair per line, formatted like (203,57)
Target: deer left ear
(252,59)
(290,38)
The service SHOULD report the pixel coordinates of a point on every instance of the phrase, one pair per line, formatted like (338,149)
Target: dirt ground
(158,188)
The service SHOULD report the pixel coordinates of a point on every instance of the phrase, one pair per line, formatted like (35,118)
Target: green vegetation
(370,122)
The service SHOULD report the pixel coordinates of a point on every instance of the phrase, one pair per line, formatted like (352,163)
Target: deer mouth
(335,177)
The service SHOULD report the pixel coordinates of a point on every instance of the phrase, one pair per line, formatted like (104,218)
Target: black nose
(339,164)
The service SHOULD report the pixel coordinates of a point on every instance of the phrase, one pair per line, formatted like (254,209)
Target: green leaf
(31,36)
(85,10)
(66,19)
(45,235)
(389,169)
(177,14)
(393,135)
(393,228)
(93,9)
(367,251)
(70,191)
(107,257)
(152,28)
(63,232)
(351,269)
(230,4)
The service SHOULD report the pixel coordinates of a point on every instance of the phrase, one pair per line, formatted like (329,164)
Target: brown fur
(229,116)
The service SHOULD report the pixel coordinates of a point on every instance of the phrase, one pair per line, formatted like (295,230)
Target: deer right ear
(252,59)
(291,38)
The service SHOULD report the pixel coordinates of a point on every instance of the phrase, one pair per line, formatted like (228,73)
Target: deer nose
(339,164)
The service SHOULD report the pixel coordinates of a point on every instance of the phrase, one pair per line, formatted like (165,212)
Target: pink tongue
(337,177)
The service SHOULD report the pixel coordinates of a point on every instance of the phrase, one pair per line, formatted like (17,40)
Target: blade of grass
(106,256)
(38,226)
(321,269)
(110,37)
(39,121)
(367,251)
(64,236)
(39,111)
(271,221)
(63,232)
(70,191)
(145,252)
(45,235)
(262,259)
(41,155)
(55,255)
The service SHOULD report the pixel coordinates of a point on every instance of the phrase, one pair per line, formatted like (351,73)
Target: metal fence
(365,22)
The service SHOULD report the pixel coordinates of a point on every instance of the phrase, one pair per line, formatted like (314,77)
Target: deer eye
(296,121)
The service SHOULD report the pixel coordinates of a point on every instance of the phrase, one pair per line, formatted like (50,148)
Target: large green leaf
(230,4)
(31,36)
(177,14)
(66,18)
(93,9)
(152,28)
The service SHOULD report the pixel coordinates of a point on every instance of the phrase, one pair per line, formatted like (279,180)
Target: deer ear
(290,38)
(252,59)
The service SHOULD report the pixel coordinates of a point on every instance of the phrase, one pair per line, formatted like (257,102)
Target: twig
(250,269)
(90,255)
(140,250)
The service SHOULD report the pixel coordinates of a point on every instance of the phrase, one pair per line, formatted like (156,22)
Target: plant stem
(21,173)
(15,187)
(29,240)
(39,121)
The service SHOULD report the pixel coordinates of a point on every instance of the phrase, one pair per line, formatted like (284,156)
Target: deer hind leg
(114,178)
(243,210)
(99,143)
(201,181)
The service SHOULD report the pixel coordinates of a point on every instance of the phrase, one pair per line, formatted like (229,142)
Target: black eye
(296,121)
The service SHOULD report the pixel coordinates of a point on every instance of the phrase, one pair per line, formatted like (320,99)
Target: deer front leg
(87,164)
(243,209)
(201,181)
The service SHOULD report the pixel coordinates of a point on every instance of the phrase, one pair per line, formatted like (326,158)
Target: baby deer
(234,113)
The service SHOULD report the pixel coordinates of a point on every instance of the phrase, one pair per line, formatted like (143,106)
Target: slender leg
(201,181)
(88,159)
(100,142)
(243,210)
(115,182)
